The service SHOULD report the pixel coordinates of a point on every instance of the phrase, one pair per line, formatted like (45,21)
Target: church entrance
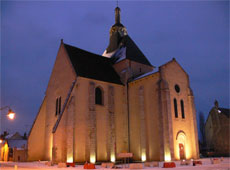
(181,145)
(181,151)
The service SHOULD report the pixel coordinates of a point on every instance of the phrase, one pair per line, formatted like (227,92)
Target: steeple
(117,15)
(117,32)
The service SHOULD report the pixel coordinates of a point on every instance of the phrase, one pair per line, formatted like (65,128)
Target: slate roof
(91,65)
(224,111)
(133,52)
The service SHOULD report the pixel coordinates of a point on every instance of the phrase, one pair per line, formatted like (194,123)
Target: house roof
(91,65)
(15,136)
(18,143)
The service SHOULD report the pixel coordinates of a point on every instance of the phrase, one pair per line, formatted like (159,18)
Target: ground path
(224,165)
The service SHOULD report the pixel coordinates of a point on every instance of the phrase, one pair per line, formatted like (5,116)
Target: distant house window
(177,88)
(98,96)
(175,108)
(182,108)
(58,106)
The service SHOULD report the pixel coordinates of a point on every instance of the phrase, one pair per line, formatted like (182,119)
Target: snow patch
(144,75)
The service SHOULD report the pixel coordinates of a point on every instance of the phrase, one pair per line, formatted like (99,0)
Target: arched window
(175,108)
(182,108)
(98,96)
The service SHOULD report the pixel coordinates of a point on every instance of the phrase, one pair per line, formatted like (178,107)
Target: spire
(117,15)
(117,31)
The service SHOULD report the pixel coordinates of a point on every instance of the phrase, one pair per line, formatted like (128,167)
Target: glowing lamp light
(143,157)
(92,159)
(1,141)
(11,115)
(112,158)
(167,157)
(70,159)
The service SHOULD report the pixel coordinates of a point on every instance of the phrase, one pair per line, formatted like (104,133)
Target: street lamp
(10,114)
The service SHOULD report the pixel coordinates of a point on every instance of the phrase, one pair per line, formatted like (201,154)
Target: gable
(174,73)
(62,74)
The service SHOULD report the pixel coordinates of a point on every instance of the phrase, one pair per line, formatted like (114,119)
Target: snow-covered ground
(224,165)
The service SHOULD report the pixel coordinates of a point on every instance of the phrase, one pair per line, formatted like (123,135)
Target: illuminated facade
(98,106)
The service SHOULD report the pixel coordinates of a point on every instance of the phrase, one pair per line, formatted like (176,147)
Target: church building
(96,107)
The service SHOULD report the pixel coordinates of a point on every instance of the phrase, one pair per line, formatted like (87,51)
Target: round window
(177,88)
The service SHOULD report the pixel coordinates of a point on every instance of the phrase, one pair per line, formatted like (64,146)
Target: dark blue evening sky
(195,33)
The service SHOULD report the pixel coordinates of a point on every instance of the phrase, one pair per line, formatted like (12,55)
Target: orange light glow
(112,158)
(1,141)
(143,157)
(167,157)
(92,159)
(11,115)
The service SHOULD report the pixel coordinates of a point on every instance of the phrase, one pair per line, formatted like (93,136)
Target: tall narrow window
(56,113)
(98,96)
(182,108)
(175,108)
(58,106)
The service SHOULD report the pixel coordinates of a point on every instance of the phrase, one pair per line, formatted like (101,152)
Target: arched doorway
(181,144)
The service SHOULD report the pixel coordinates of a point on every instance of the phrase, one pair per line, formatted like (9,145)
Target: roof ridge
(87,51)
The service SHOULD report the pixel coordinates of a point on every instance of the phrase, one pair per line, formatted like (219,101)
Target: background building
(14,148)
(217,130)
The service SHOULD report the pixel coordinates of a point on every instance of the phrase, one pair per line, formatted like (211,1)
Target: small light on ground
(143,157)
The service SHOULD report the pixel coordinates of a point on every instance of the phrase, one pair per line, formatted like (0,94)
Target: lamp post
(10,115)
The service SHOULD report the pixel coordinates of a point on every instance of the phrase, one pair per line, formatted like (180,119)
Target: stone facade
(135,113)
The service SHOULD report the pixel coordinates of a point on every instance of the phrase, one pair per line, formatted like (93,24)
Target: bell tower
(116,33)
